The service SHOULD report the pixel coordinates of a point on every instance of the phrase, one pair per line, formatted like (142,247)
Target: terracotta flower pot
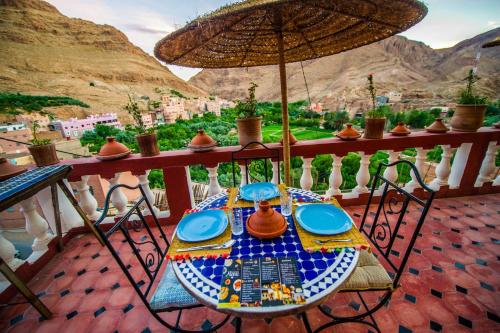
(374,128)
(348,133)
(44,154)
(249,130)
(437,127)
(8,170)
(291,138)
(148,144)
(468,118)
(266,223)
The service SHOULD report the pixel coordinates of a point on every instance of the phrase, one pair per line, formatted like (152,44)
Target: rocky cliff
(421,73)
(45,52)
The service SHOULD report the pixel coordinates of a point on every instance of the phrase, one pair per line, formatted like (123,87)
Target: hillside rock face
(423,75)
(45,52)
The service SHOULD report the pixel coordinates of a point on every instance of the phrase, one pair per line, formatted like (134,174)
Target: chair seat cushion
(368,274)
(170,293)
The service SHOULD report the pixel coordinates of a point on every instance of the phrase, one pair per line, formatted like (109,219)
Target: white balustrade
(213,183)
(118,198)
(8,254)
(443,169)
(36,225)
(306,180)
(363,175)
(391,173)
(419,164)
(276,173)
(335,180)
(496,182)
(144,184)
(87,201)
(488,165)
(243,172)
(459,165)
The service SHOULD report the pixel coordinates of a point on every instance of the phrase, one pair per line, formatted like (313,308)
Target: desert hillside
(45,52)
(421,73)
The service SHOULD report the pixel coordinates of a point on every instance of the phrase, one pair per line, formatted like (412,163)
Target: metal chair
(370,275)
(149,247)
(248,153)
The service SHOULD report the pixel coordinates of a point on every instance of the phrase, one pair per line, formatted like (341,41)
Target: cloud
(147,30)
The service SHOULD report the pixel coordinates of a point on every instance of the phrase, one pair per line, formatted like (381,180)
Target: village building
(74,127)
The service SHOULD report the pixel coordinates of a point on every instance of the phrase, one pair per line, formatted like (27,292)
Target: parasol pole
(284,99)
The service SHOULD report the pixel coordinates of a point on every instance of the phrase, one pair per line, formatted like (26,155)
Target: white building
(395,96)
(9,127)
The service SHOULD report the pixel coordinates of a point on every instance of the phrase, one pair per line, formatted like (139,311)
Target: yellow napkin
(307,238)
(233,192)
(177,244)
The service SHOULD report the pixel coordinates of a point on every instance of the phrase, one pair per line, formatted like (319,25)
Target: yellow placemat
(177,244)
(233,192)
(307,238)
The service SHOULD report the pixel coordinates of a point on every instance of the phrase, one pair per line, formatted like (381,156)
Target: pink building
(74,127)
(316,107)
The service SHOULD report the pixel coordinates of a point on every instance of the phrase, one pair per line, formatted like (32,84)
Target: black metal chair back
(248,153)
(386,234)
(148,248)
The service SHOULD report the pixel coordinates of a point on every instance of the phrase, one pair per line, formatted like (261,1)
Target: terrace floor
(451,284)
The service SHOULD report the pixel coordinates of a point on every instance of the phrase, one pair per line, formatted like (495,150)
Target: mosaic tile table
(321,273)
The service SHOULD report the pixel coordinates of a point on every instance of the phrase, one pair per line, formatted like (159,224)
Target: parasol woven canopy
(270,32)
(244,34)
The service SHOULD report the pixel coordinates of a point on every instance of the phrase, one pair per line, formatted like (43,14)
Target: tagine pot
(400,130)
(44,155)
(348,133)
(202,142)
(148,144)
(374,128)
(8,170)
(249,130)
(468,117)
(266,223)
(291,139)
(112,150)
(437,127)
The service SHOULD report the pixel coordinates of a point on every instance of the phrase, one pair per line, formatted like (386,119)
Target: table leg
(82,214)
(57,216)
(23,289)
(237,325)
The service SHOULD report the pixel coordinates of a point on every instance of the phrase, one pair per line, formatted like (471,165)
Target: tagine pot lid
(349,133)
(201,139)
(8,170)
(292,139)
(437,127)
(113,150)
(400,129)
(266,222)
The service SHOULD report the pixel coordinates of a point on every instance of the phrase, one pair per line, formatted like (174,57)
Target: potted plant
(470,110)
(375,118)
(248,123)
(148,143)
(43,150)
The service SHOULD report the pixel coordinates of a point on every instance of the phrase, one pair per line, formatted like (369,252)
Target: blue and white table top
(321,273)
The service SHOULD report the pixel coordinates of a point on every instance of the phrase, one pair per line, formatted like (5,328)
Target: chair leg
(237,325)
(359,319)
(307,325)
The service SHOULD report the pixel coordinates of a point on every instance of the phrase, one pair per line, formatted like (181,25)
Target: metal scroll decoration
(383,230)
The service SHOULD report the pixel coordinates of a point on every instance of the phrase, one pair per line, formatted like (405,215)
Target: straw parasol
(493,43)
(270,32)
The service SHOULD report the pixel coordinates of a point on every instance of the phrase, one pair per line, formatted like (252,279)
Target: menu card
(260,282)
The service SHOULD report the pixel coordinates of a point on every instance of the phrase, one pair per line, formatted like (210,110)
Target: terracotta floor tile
(107,321)
(121,297)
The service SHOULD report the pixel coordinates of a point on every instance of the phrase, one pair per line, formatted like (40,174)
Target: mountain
(45,52)
(422,74)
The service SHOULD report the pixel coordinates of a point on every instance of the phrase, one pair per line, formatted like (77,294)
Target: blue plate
(266,190)
(200,226)
(323,219)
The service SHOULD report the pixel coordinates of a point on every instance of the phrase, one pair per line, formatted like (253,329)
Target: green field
(273,133)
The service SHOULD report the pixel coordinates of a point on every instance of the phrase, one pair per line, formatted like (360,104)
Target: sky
(147,21)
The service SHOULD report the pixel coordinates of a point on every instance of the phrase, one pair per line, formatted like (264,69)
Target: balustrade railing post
(488,165)
(144,184)
(118,198)
(335,180)
(419,164)
(276,173)
(363,175)
(213,183)
(243,172)
(8,254)
(36,225)
(459,165)
(391,173)
(442,170)
(306,180)
(87,200)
